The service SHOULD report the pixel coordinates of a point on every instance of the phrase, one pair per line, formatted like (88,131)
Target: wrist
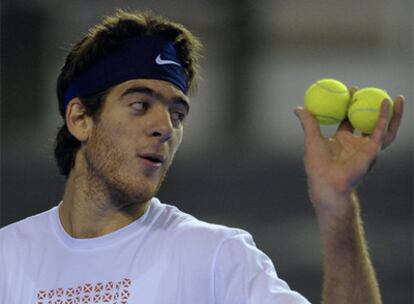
(336,206)
(337,210)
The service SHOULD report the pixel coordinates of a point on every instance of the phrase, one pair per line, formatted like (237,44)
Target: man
(123,95)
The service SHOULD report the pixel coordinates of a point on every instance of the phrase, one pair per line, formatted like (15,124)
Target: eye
(178,112)
(139,105)
(178,116)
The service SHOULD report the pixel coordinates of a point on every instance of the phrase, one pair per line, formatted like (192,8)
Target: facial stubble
(104,162)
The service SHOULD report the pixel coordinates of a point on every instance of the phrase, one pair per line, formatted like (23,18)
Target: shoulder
(192,243)
(187,229)
(24,230)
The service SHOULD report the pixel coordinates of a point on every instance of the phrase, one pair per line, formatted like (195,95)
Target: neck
(88,211)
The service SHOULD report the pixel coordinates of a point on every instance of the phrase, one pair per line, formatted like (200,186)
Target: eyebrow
(152,93)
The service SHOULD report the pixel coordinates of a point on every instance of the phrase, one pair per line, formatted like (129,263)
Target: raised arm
(334,168)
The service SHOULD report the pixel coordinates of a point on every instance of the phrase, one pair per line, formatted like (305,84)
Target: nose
(160,125)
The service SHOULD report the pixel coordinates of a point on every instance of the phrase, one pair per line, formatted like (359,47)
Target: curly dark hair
(101,40)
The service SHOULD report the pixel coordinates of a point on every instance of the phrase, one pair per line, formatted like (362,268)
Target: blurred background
(241,160)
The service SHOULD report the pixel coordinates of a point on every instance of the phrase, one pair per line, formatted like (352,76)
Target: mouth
(153,158)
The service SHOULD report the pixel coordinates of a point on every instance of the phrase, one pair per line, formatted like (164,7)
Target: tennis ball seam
(322,86)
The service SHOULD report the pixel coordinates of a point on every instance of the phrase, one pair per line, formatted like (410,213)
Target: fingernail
(296,111)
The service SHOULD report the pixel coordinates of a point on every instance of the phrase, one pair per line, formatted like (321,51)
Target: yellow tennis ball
(364,110)
(328,100)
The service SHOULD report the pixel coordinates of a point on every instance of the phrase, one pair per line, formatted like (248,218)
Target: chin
(134,192)
(134,196)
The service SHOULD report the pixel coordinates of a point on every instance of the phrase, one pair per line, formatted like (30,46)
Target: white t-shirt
(165,256)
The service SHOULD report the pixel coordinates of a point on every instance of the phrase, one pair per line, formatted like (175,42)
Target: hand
(335,166)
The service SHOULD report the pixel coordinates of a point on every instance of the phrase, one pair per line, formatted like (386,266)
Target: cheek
(118,133)
(178,138)
(108,140)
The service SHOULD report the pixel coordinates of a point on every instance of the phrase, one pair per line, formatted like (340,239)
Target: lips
(155,158)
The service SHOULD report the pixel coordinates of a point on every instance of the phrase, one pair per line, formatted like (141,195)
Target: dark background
(241,160)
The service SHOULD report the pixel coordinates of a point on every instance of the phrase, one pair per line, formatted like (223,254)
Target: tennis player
(123,95)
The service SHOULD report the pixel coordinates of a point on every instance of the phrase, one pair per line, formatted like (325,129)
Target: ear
(78,122)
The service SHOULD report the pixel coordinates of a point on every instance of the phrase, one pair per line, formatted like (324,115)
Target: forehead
(161,88)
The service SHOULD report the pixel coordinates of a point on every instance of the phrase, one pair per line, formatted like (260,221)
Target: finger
(345,126)
(380,130)
(395,120)
(372,164)
(352,90)
(310,125)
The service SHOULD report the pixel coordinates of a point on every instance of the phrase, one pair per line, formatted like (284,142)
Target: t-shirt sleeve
(243,274)
(3,285)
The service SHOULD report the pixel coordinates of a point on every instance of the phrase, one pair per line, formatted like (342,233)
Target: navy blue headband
(146,57)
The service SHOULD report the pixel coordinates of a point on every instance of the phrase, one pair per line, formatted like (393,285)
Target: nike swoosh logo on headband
(160,61)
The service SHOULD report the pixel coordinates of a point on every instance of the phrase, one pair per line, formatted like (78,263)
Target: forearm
(348,273)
